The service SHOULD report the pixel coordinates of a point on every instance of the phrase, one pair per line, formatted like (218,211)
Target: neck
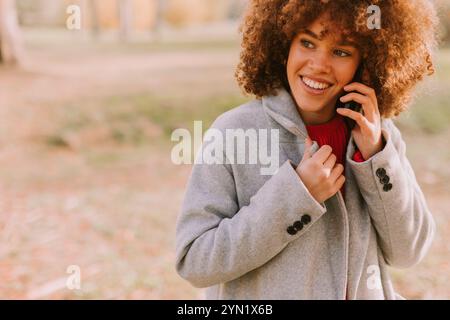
(320,117)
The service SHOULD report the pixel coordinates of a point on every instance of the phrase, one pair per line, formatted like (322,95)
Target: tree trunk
(11,47)
(160,8)
(159,19)
(95,23)
(235,9)
(125,18)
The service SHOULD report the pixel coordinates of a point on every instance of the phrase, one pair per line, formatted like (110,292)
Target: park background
(86,115)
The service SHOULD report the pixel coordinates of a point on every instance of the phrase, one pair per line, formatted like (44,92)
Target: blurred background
(90,92)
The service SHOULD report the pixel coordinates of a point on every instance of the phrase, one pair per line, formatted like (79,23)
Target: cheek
(295,62)
(344,74)
(290,63)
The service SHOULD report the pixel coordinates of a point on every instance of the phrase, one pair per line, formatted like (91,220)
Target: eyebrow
(347,42)
(312,34)
(343,42)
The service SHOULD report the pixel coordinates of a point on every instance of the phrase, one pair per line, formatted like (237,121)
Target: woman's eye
(341,53)
(307,44)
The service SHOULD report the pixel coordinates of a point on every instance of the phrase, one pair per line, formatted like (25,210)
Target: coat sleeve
(396,204)
(217,241)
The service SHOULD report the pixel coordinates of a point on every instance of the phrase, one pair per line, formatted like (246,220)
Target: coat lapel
(282,114)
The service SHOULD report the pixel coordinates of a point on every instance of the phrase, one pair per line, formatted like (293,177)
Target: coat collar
(282,109)
(282,113)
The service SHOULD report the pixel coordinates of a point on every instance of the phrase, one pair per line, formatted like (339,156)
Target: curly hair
(396,56)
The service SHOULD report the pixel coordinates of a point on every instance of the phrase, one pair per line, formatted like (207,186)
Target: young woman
(344,203)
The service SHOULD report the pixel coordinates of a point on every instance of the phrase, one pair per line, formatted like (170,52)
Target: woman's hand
(320,173)
(367,132)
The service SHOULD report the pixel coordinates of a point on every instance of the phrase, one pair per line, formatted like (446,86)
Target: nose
(320,63)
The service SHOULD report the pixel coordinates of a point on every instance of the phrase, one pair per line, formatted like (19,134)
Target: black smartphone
(352,105)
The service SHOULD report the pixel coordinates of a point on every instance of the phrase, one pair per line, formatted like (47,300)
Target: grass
(107,42)
(430,112)
(429,115)
(136,119)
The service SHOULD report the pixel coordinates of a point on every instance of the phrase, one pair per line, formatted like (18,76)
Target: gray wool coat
(235,234)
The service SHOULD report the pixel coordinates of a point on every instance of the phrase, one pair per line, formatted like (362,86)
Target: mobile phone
(352,105)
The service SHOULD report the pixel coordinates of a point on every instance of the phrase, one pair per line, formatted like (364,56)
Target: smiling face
(318,67)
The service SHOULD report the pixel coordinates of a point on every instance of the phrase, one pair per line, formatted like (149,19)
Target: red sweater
(335,134)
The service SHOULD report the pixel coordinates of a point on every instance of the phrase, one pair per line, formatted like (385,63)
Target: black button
(291,230)
(298,225)
(306,219)
(387,187)
(381,172)
(384,179)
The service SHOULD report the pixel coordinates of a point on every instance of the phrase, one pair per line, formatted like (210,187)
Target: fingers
(358,117)
(367,92)
(364,101)
(355,97)
(308,145)
(360,87)
(339,183)
(330,162)
(336,172)
(322,154)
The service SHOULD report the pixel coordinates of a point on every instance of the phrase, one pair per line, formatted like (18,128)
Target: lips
(314,87)
(315,84)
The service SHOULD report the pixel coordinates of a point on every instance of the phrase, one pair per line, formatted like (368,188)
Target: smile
(314,87)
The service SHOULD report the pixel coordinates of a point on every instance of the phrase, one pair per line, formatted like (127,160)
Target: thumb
(307,152)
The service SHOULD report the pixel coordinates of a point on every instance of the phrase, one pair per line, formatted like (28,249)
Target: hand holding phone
(353,105)
(367,136)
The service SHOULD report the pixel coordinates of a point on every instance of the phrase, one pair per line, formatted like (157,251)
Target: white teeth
(314,84)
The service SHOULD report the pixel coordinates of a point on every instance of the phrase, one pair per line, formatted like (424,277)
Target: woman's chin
(307,105)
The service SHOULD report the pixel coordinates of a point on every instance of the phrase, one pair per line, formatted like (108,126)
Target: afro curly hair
(396,56)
